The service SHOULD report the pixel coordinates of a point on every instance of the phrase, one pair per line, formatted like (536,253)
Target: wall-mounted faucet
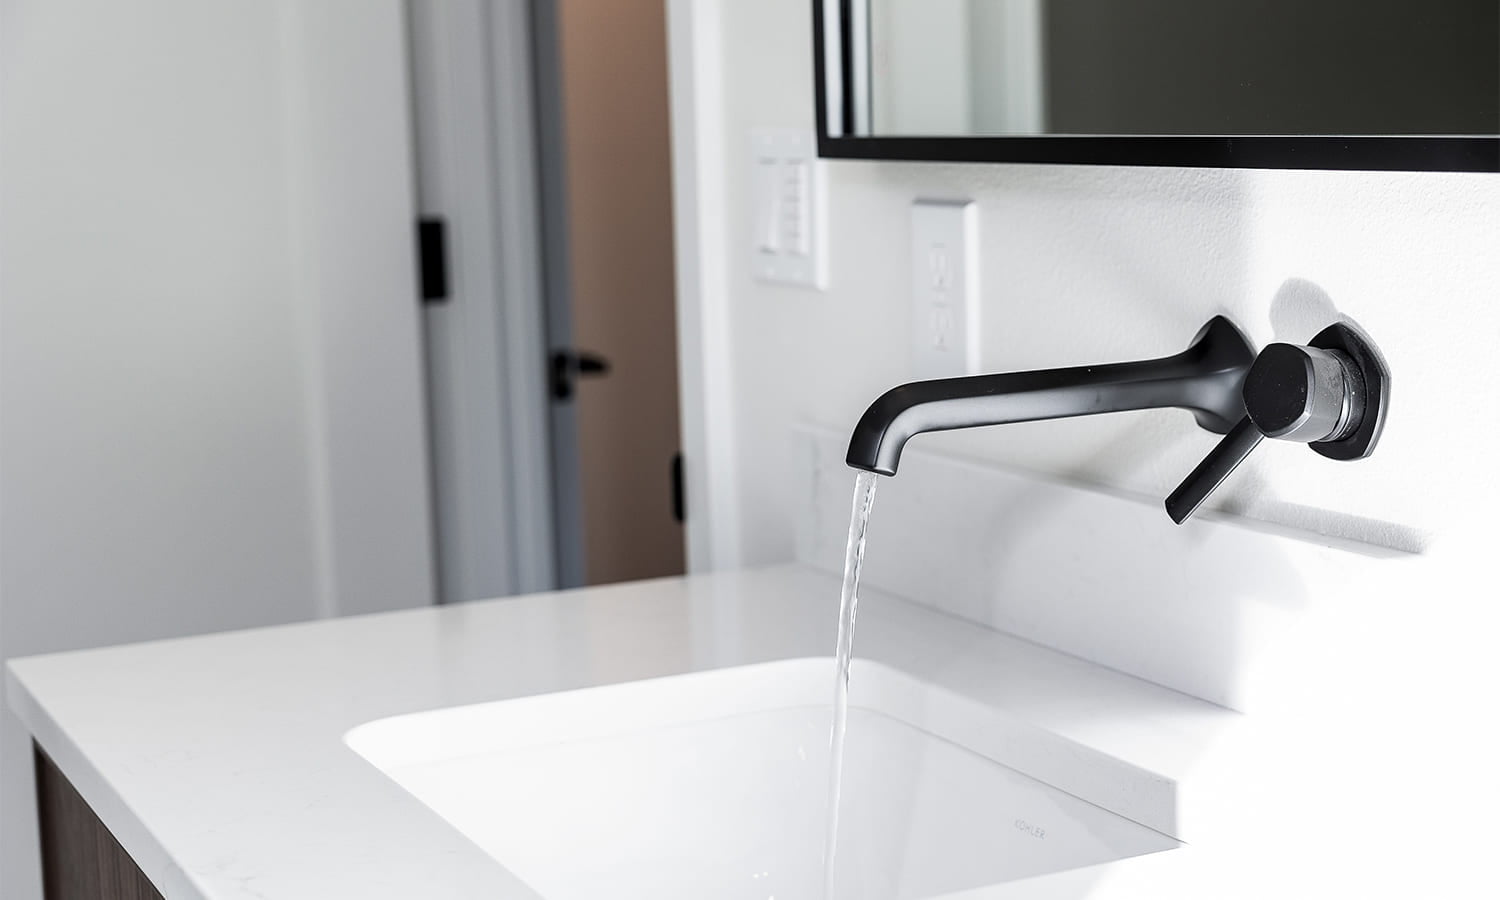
(1205,378)
(1331,394)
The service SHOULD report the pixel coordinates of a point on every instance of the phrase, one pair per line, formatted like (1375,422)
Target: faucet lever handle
(1216,466)
(1330,395)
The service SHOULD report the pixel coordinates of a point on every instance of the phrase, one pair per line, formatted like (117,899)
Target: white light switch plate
(945,289)
(788,243)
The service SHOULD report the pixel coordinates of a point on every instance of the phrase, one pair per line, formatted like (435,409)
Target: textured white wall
(1097,264)
(1361,674)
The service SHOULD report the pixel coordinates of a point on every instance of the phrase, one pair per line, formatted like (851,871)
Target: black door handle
(570,365)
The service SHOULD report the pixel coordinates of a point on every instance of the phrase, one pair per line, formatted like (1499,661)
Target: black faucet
(1330,394)
(1206,379)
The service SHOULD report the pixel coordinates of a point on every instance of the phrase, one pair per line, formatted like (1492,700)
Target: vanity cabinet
(81,860)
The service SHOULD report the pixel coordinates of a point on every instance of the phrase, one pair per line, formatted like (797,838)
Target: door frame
(557,267)
(476,113)
(704,350)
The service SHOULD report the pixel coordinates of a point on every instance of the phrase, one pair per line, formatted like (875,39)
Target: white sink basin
(714,785)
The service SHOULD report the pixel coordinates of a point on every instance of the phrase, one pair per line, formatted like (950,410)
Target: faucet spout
(1205,379)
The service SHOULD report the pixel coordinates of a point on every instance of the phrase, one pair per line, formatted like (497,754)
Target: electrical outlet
(945,289)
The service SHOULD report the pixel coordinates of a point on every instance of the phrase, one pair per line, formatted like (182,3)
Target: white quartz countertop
(219,761)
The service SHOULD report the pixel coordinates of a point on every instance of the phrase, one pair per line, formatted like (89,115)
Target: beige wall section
(618,170)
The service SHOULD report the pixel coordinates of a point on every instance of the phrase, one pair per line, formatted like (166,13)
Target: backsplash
(1106,577)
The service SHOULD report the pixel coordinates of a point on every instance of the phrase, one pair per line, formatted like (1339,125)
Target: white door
(210,394)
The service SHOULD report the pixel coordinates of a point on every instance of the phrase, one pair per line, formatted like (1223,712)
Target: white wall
(1095,264)
(1360,671)
(210,407)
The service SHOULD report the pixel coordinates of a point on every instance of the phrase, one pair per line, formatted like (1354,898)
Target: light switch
(789,208)
(797,202)
(944,289)
(767,204)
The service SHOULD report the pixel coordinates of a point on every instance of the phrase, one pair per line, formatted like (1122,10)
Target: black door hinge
(679,492)
(432,259)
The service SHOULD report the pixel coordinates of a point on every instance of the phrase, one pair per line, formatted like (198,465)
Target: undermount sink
(714,784)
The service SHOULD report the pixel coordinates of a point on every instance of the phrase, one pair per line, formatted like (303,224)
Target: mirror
(1379,84)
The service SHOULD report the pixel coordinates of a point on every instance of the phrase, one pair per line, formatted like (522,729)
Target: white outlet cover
(944,289)
(788,243)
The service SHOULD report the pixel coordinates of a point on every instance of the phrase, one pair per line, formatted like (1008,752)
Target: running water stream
(854,554)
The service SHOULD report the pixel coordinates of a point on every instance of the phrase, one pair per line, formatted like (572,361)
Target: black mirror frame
(1404,154)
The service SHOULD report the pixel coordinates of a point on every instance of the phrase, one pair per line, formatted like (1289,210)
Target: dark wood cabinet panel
(81,860)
